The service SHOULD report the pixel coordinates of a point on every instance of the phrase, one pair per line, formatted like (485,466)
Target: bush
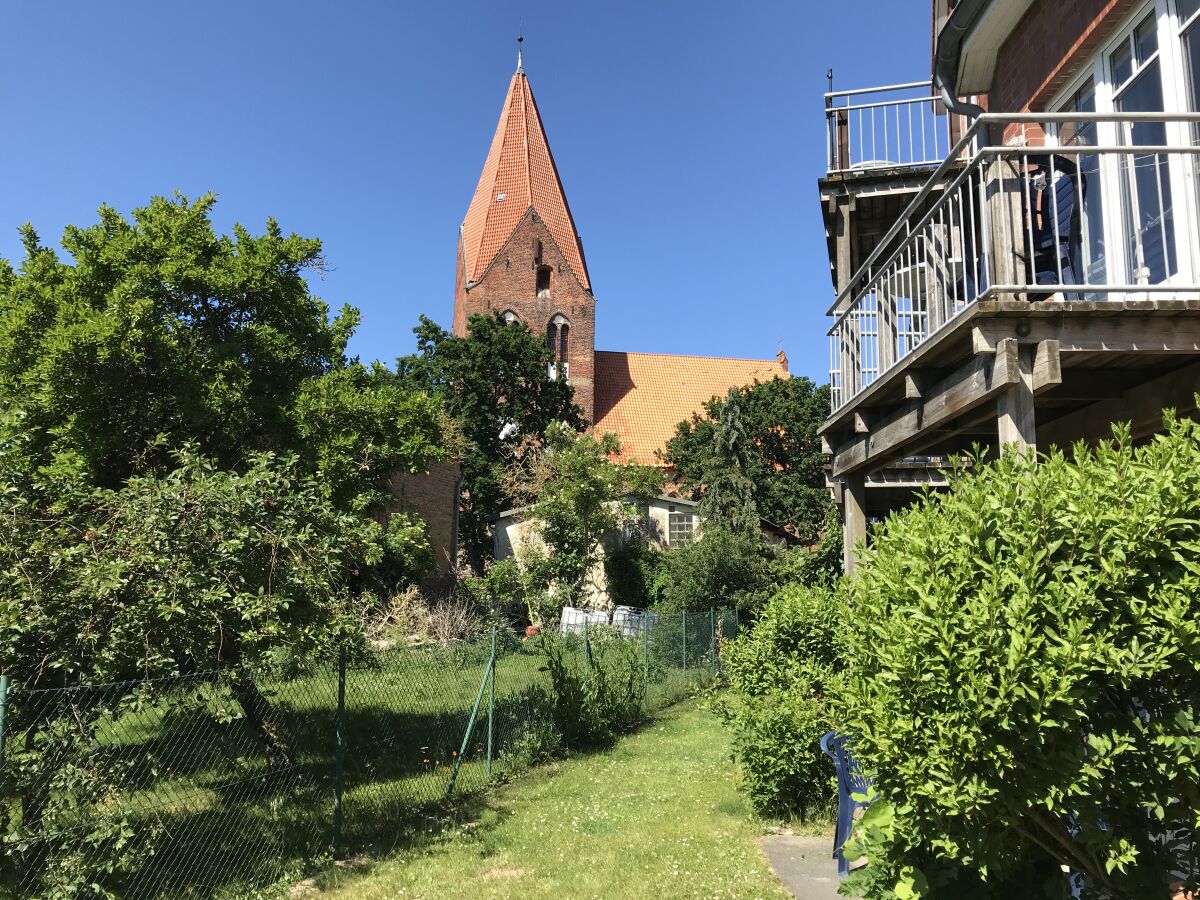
(722,568)
(780,674)
(599,694)
(1021,646)
(634,573)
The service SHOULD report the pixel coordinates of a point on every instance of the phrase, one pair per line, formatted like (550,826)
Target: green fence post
(491,701)
(3,715)
(339,764)
(712,640)
(587,650)
(646,652)
(487,671)
(685,666)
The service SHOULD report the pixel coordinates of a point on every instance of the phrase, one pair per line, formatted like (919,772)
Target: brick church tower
(518,251)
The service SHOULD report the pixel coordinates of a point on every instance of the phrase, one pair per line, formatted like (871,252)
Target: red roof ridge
(770,359)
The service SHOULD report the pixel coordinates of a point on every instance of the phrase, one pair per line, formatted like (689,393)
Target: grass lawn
(658,816)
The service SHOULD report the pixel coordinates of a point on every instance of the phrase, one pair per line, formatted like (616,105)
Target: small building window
(679,529)
(543,281)
(510,317)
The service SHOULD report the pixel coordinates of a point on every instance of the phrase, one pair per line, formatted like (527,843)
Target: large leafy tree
(494,382)
(158,332)
(779,422)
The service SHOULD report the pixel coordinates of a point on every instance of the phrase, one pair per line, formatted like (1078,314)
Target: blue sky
(689,136)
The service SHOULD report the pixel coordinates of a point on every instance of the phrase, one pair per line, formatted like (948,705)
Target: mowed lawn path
(656,817)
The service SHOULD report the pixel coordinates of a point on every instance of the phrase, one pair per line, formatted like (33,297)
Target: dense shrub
(1025,667)
(722,568)
(634,574)
(780,675)
(599,693)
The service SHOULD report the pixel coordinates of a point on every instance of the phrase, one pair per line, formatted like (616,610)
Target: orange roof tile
(519,173)
(642,397)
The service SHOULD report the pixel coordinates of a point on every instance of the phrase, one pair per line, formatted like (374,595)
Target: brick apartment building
(1015,243)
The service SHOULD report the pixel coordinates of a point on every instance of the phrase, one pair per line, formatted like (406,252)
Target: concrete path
(803,864)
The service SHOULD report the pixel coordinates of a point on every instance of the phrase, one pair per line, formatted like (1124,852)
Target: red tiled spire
(519,173)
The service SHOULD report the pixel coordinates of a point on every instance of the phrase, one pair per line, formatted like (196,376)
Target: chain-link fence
(226,783)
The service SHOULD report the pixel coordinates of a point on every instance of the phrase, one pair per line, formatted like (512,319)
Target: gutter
(963,19)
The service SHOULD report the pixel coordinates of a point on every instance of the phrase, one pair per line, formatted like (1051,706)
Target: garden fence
(220,784)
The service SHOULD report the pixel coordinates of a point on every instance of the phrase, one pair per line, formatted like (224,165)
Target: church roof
(519,173)
(642,397)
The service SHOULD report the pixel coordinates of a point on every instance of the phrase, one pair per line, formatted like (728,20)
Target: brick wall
(510,283)
(433,497)
(1048,48)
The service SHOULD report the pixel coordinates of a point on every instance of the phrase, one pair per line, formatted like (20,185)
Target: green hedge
(1025,664)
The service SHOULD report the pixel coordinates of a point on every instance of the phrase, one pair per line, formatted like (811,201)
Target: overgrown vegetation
(1024,666)
(604,697)
(494,383)
(192,476)
(777,424)
(781,677)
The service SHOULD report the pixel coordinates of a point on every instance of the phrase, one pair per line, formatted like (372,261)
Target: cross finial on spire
(520,40)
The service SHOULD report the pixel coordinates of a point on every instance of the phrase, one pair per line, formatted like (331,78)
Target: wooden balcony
(1032,297)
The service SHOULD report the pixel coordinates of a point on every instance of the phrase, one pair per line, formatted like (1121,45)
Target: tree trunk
(262,717)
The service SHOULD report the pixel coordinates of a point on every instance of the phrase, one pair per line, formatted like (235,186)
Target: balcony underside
(1084,365)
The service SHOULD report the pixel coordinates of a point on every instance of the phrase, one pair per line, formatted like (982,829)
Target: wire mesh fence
(228,783)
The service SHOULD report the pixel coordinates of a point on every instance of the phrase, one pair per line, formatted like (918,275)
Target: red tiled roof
(519,173)
(642,397)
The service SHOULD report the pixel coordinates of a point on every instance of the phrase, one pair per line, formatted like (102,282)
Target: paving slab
(803,864)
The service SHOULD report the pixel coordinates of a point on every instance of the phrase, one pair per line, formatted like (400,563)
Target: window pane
(1149,224)
(1121,61)
(1092,269)
(1146,38)
(1191,50)
(1186,8)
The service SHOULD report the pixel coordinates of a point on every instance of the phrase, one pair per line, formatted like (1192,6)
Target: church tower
(518,251)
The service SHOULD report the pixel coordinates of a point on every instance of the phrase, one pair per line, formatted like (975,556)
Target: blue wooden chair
(850,781)
(1055,223)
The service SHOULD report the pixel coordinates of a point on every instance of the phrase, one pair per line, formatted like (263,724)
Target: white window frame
(1172,72)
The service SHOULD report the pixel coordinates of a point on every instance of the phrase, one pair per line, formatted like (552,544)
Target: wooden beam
(915,385)
(826,447)
(1141,406)
(1092,334)
(977,382)
(862,422)
(1015,420)
(1047,366)
(854,518)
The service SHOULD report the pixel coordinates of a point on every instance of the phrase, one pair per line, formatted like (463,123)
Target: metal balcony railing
(896,126)
(1073,206)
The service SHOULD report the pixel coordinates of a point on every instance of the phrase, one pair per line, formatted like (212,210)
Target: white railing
(1073,206)
(896,126)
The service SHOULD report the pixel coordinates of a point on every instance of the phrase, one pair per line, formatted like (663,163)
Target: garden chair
(850,781)
(1055,224)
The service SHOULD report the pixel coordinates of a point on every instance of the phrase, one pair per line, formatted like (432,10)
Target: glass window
(679,528)
(1149,221)
(1186,8)
(1093,269)
(1121,61)
(1145,39)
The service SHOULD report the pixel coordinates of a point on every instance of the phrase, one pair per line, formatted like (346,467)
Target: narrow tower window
(509,317)
(558,341)
(543,281)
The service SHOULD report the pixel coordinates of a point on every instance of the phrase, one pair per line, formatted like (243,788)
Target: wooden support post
(1015,410)
(854,517)
(1005,241)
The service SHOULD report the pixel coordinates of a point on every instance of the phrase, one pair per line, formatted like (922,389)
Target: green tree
(779,421)
(494,377)
(578,495)
(159,333)
(728,497)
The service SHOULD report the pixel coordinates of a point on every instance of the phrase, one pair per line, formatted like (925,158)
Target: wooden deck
(1012,372)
